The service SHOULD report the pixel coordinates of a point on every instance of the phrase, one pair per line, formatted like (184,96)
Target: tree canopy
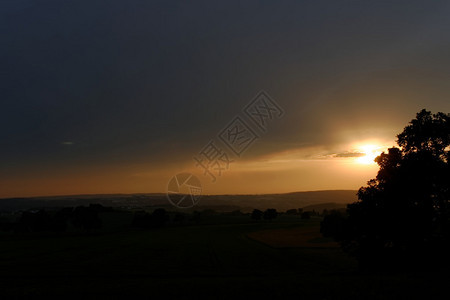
(402,215)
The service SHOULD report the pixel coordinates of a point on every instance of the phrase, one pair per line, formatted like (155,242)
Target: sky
(120,96)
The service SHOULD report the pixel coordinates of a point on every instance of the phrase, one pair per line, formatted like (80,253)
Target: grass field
(214,261)
(294,237)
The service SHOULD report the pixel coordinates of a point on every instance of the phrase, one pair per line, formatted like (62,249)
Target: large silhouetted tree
(402,215)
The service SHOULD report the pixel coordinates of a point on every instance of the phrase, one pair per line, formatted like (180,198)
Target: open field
(294,237)
(215,261)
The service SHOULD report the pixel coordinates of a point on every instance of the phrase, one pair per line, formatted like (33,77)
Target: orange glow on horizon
(302,169)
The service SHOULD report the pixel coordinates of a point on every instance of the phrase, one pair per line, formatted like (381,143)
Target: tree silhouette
(402,216)
(156,219)
(306,215)
(256,214)
(86,218)
(332,224)
(34,221)
(179,218)
(270,213)
(159,217)
(292,211)
(43,221)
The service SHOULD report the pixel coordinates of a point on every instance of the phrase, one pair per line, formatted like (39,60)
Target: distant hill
(281,202)
(322,206)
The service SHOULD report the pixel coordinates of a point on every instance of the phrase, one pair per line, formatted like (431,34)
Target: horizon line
(158,193)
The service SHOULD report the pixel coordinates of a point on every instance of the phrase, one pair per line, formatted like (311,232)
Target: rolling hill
(245,203)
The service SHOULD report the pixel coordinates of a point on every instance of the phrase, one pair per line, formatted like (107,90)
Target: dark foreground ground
(215,260)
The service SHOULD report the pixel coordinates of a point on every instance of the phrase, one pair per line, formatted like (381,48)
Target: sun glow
(370,153)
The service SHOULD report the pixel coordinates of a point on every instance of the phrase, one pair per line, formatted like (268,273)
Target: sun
(370,152)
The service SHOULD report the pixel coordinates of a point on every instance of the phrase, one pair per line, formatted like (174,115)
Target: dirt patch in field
(304,237)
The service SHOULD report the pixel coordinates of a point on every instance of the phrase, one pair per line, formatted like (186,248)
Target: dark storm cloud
(155,80)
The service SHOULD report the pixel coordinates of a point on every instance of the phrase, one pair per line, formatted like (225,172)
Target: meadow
(221,257)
